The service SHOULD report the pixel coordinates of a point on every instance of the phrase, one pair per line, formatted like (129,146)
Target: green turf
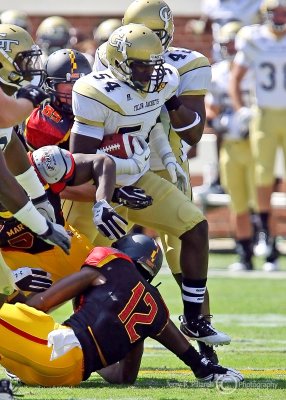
(251,310)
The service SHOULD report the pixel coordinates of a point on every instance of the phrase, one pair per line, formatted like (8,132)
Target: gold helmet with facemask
(20,61)
(135,43)
(155,14)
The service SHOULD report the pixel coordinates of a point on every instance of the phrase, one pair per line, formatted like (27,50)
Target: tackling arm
(16,110)
(65,289)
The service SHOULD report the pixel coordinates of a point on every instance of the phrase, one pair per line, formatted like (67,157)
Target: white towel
(62,340)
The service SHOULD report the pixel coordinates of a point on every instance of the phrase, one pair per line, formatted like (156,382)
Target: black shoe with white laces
(209,372)
(6,390)
(208,352)
(200,329)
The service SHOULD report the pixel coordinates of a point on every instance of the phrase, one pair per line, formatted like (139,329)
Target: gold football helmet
(132,47)
(53,33)
(226,38)
(155,14)
(275,20)
(15,17)
(105,29)
(20,60)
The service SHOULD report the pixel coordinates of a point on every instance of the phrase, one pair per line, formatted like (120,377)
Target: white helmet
(53,164)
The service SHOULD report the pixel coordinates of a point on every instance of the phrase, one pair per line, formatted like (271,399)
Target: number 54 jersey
(105,105)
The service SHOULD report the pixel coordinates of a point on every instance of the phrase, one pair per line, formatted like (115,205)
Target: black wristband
(173,103)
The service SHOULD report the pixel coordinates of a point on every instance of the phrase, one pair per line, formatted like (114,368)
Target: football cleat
(208,352)
(262,248)
(200,329)
(6,390)
(209,372)
(241,266)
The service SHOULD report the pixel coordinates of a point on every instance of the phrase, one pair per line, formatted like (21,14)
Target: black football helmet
(64,66)
(144,251)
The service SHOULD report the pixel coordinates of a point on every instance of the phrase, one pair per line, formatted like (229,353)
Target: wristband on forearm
(31,183)
(184,128)
(30,216)
(173,103)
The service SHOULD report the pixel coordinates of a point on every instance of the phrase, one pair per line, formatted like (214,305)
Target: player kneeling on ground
(105,334)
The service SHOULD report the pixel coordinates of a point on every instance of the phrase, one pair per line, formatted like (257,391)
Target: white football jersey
(104,105)
(219,90)
(261,51)
(195,77)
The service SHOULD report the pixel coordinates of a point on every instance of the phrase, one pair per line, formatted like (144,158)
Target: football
(118,145)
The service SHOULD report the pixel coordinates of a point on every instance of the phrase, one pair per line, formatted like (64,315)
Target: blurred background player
(102,32)
(218,13)
(54,33)
(232,129)
(16,17)
(261,48)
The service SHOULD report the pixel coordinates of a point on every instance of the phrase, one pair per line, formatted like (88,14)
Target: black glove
(32,279)
(44,207)
(107,221)
(33,93)
(132,197)
(57,236)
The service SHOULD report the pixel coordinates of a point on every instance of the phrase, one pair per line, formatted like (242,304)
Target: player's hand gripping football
(32,279)
(141,154)
(132,197)
(107,221)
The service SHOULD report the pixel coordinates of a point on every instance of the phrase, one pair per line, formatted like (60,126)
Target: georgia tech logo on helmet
(120,42)
(6,44)
(165,15)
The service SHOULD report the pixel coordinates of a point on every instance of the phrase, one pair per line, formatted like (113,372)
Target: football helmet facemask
(144,252)
(53,33)
(105,29)
(20,60)
(274,17)
(135,55)
(64,66)
(155,14)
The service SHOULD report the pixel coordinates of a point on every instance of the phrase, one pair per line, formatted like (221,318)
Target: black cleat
(200,329)
(209,372)
(6,390)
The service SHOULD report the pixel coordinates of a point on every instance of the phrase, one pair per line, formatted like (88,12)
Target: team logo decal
(120,42)
(5,44)
(165,15)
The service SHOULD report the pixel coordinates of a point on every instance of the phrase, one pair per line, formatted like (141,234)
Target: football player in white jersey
(235,160)
(18,60)
(195,76)
(128,97)
(263,49)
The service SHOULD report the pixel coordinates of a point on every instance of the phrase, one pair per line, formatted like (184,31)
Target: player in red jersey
(117,309)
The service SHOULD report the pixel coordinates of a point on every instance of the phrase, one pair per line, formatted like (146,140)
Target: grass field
(250,307)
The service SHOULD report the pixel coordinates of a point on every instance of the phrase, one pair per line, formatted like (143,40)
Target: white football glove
(107,221)
(44,207)
(57,235)
(176,172)
(237,124)
(141,154)
(32,279)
